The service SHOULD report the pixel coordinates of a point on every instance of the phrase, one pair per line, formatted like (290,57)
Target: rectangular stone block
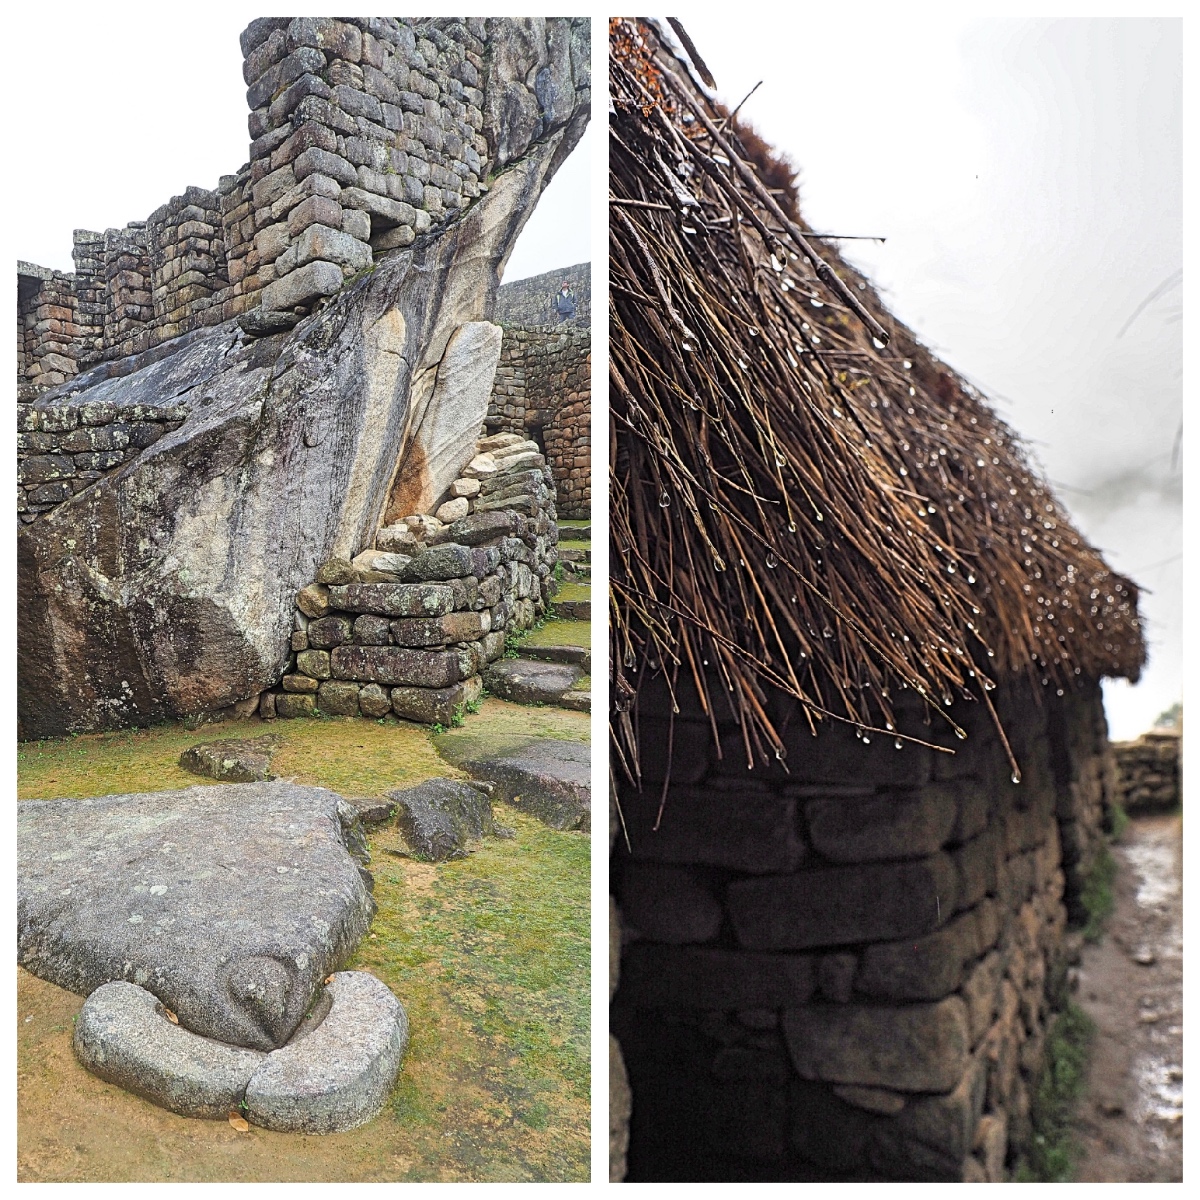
(331,245)
(925,968)
(707,978)
(394,599)
(292,705)
(891,824)
(395,665)
(835,755)
(749,831)
(843,905)
(914,1048)
(302,286)
(436,706)
(337,699)
(440,631)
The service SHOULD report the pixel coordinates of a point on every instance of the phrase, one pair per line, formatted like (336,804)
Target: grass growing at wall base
(1051,1154)
(1097,894)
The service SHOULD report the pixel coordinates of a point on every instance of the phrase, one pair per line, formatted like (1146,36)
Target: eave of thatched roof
(803,497)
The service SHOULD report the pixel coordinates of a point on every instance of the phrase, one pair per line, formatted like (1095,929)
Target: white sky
(1027,176)
(124,108)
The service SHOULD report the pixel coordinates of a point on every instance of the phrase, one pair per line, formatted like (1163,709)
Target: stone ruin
(543,387)
(258,382)
(848,971)
(255,476)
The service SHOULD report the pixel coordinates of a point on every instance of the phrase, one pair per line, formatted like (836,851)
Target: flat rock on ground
(527,681)
(229,902)
(548,778)
(436,819)
(236,760)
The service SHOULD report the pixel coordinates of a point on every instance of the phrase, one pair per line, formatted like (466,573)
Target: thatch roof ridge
(793,503)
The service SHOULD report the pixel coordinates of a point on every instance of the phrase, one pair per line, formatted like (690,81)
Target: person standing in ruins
(564,304)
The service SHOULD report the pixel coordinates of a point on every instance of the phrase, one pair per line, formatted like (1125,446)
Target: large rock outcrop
(166,587)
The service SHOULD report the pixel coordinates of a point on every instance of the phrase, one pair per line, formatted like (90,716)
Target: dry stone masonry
(249,384)
(407,627)
(543,390)
(529,303)
(1148,771)
(367,133)
(848,971)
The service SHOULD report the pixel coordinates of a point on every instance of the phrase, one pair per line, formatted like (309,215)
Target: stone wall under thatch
(848,971)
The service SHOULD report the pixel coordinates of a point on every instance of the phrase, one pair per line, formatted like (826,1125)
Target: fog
(1027,176)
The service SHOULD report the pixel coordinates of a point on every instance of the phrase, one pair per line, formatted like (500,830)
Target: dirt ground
(1130,1118)
(489,954)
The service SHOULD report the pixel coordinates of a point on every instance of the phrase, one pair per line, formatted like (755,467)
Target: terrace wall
(848,971)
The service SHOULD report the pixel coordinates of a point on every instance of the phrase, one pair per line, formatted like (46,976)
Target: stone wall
(529,303)
(1148,771)
(48,335)
(63,449)
(543,390)
(848,970)
(408,626)
(366,133)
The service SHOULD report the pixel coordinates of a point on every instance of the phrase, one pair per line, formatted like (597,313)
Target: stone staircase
(553,664)
(575,549)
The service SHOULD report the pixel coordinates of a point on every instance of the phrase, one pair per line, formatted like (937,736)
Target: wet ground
(1130,1119)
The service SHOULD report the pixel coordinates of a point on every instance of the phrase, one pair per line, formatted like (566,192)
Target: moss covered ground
(490,956)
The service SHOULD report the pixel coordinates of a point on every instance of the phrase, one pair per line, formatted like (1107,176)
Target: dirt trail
(1130,1119)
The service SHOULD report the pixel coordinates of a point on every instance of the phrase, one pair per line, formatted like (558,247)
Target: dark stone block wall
(847,971)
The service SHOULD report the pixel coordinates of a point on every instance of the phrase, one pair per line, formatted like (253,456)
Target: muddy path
(1129,1123)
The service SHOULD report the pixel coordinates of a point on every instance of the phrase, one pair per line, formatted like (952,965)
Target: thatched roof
(803,497)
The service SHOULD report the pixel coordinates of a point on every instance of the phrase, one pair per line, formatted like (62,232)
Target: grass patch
(349,755)
(1096,896)
(490,956)
(560,633)
(1051,1154)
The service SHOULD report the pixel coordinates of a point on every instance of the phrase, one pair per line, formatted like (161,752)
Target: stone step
(573,602)
(580,531)
(576,571)
(574,552)
(558,633)
(531,681)
(576,699)
(579,656)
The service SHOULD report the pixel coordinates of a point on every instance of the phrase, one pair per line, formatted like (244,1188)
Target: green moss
(573,591)
(349,755)
(560,633)
(1096,894)
(490,956)
(1051,1154)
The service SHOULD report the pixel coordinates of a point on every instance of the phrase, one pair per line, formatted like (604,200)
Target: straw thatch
(802,496)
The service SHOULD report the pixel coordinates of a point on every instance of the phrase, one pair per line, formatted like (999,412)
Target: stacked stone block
(1148,771)
(407,626)
(367,133)
(48,334)
(64,448)
(238,228)
(129,310)
(543,390)
(846,971)
(187,255)
(91,294)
